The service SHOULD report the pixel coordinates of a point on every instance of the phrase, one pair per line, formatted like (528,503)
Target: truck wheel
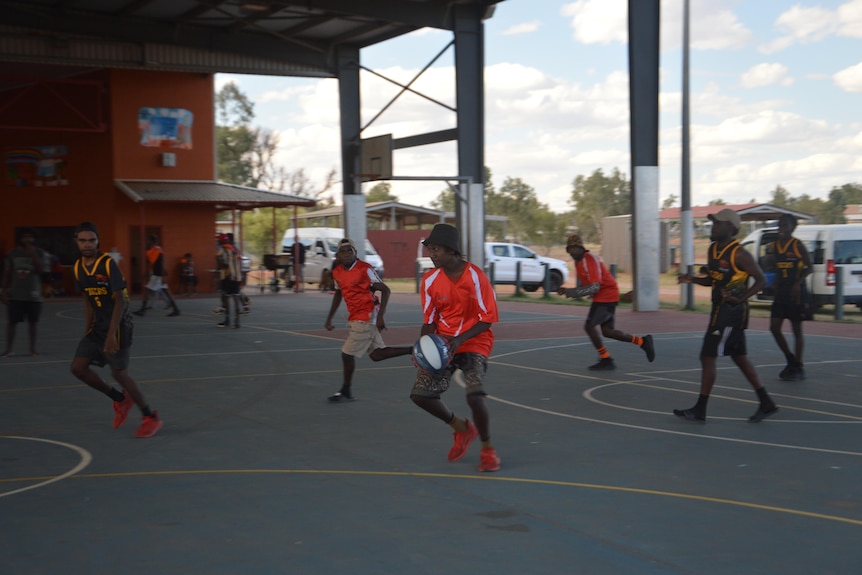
(530,287)
(556,281)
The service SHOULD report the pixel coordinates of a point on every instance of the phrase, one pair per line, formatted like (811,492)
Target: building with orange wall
(69,145)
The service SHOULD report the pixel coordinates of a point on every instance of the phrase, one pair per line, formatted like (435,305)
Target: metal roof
(279,37)
(219,195)
(396,212)
(747,212)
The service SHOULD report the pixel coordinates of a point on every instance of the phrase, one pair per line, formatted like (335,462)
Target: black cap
(446,236)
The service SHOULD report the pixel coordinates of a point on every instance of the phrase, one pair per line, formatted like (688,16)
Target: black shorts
(230,287)
(720,342)
(602,313)
(20,309)
(785,308)
(92,349)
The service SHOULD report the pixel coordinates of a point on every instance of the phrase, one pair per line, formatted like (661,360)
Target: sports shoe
(799,372)
(245,310)
(463,439)
(218,311)
(648,348)
(336,397)
(174,313)
(489,460)
(689,415)
(150,424)
(787,373)
(222,324)
(121,410)
(605,363)
(763,411)
(140,312)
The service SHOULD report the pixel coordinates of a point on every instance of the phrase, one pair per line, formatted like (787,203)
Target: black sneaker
(140,312)
(689,415)
(222,324)
(787,373)
(174,313)
(799,372)
(604,364)
(648,348)
(763,411)
(340,397)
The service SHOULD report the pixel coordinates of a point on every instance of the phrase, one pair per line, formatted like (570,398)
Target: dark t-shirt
(99,283)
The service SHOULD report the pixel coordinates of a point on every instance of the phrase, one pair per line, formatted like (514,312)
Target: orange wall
(96,159)
(132,90)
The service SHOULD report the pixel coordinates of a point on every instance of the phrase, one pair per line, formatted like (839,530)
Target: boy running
(108,330)
(599,283)
(356,283)
(459,303)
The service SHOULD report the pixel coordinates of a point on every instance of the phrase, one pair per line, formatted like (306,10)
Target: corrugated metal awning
(220,195)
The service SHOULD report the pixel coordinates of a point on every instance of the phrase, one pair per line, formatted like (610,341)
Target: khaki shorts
(363,337)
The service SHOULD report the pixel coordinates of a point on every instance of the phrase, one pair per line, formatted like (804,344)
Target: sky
(775,94)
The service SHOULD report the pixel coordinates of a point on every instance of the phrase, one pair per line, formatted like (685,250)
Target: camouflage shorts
(472,365)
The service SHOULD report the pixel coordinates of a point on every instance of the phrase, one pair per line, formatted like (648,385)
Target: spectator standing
(21,287)
(230,269)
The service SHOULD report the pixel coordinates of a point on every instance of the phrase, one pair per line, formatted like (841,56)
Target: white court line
(86,458)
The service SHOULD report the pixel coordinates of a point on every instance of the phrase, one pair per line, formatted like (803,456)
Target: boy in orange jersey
(598,282)
(356,283)
(458,303)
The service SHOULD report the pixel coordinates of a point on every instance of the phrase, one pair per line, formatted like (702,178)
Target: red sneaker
(463,439)
(489,460)
(121,410)
(149,425)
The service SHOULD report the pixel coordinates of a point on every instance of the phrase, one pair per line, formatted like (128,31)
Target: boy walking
(356,283)
(108,330)
(156,285)
(729,268)
(459,303)
(598,282)
(792,265)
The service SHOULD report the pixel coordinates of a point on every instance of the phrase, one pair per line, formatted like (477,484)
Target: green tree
(235,138)
(669,202)
(381,192)
(596,197)
(781,197)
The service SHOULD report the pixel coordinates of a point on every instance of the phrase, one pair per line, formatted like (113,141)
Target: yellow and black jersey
(789,265)
(99,283)
(726,276)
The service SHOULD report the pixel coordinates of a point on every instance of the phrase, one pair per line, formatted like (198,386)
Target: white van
(833,248)
(320,247)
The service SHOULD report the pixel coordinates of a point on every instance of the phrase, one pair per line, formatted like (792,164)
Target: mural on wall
(36,166)
(165,128)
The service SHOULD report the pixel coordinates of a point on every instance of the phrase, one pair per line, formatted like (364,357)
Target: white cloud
(849,79)
(850,19)
(525,28)
(806,25)
(766,74)
(598,21)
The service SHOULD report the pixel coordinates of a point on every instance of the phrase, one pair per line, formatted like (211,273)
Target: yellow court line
(615,488)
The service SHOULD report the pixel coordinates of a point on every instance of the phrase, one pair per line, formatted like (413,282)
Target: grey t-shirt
(26,281)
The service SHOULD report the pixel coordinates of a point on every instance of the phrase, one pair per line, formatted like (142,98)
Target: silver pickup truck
(505,258)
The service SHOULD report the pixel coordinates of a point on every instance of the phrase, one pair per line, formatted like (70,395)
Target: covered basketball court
(255,472)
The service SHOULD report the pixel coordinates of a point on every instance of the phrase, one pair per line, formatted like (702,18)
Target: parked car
(833,248)
(505,257)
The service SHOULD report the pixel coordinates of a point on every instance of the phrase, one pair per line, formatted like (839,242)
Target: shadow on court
(255,472)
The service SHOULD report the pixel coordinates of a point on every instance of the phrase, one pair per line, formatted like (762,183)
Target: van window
(815,248)
(848,252)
